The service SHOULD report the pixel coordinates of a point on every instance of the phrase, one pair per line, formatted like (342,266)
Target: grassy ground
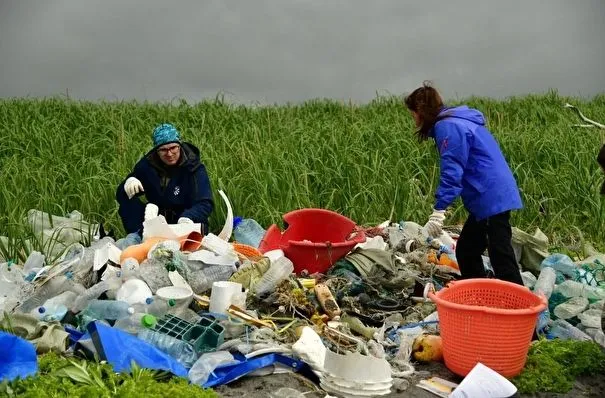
(60,155)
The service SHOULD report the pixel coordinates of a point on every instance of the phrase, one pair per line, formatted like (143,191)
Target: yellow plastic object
(307,283)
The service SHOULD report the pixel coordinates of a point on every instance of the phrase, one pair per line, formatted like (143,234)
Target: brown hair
(427,103)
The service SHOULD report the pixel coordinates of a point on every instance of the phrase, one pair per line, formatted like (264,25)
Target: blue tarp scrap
(229,373)
(17,357)
(119,349)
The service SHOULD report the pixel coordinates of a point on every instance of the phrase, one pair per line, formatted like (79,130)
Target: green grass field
(364,161)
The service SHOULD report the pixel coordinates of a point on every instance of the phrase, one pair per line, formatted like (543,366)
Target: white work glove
(434,227)
(184,220)
(133,186)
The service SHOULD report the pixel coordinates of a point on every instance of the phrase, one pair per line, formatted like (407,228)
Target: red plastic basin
(314,239)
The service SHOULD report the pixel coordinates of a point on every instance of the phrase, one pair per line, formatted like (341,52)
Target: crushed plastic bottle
(136,323)
(565,331)
(571,288)
(51,288)
(130,269)
(33,264)
(278,271)
(180,350)
(95,291)
(65,298)
(202,280)
(130,240)
(529,279)
(543,320)
(11,277)
(561,263)
(546,282)
(572,307)
(248,231)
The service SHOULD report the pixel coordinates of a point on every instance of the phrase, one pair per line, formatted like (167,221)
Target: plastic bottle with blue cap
(247,231)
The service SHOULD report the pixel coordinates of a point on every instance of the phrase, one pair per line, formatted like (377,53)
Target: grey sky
(284,50)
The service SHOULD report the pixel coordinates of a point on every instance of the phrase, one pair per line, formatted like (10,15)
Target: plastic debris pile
(343,305)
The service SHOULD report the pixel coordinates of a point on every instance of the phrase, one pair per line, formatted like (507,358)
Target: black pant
(493,234)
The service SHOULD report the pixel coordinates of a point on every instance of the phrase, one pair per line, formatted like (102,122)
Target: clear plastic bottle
(130,268)
(564,330)
(130,240)
(65,298)
(572,307)
(248,231)
(571,288)
(543,320)
(33,264)
(10,277)
(529,280)
(278,271)
(217,273)
(158,307)
(51,312)
(95,291)
(109,309)
(561,263)
(546,282)
(180,350)
(52,288)
(136,323)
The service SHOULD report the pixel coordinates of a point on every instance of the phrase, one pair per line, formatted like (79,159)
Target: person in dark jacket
(472,167)
(173,178)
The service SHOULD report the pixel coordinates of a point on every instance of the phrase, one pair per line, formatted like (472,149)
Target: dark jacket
(178,191)
(472,165)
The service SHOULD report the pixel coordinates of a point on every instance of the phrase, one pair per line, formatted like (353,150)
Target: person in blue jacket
(173,178)
(472,167)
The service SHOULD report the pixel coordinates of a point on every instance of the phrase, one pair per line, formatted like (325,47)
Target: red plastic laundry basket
(488,321)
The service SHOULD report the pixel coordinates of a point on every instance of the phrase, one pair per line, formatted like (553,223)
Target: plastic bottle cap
(236,221)
(130,310)
(69,274)
(41,310)
(149,300)
(171,302)
(148,320)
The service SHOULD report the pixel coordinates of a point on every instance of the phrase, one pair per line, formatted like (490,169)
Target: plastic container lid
(171,303)
(148,320)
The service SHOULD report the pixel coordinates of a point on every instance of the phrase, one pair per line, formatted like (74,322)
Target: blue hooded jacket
(178,191)
(472,165)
